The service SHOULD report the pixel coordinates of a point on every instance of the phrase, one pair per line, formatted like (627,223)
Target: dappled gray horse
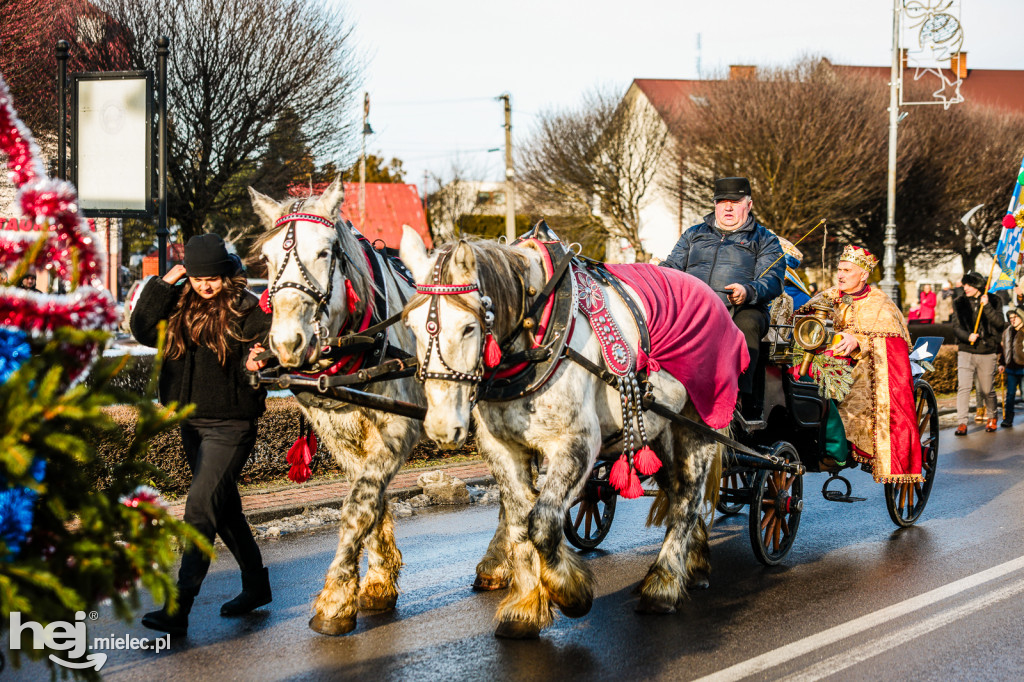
(321,286)
(472,292)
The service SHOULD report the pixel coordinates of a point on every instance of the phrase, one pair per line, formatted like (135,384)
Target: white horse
(315,265)
(568,421)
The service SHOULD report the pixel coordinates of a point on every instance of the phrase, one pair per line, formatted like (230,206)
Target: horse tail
(659,510)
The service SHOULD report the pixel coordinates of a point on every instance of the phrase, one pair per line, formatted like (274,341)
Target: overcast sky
(435,68)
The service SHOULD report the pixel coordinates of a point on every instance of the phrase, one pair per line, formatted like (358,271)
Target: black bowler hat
(732,189)
(206,256)
(973,279)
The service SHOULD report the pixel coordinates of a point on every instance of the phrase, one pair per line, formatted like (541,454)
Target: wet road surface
(855,599)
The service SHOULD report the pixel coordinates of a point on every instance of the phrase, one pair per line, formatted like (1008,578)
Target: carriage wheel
(734,492)
(775,509)
(589,518)
(906,501)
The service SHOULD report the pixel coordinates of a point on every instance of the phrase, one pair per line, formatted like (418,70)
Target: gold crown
(860,257)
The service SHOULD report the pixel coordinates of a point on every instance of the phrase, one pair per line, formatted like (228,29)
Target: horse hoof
(517,629)
(698,582)
(488,583)
(332,626)
(376,602)
(575,611)
(648,605)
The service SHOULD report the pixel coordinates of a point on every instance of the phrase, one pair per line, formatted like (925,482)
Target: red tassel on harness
(300,455)
(492,352)
(265,302)
(634,489)
(619,475)
(646,462)
(351,297)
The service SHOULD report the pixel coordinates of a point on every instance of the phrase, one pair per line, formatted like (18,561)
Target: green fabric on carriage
(836,446)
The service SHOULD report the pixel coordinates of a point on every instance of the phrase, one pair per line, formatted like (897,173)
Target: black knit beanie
(206,256)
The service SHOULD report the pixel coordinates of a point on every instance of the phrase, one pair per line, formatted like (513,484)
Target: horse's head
(308,260)
(469,297)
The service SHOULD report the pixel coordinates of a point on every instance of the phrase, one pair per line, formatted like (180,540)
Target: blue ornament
(17,510)
(14,351)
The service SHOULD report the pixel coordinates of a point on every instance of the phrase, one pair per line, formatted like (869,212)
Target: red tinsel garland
(53,205)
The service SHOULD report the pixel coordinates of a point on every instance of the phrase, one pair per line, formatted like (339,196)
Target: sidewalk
(261,506)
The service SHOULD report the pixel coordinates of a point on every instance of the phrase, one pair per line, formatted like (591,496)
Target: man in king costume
(879,414)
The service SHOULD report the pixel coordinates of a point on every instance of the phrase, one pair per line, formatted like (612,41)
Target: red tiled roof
(992,88)
(389,205)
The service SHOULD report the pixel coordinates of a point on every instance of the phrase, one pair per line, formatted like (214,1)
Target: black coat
(990,329)
(218,391)
(744,256)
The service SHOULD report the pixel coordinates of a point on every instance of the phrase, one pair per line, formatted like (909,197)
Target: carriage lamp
(812,333)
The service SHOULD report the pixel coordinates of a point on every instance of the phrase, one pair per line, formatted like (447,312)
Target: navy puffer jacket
(721,258)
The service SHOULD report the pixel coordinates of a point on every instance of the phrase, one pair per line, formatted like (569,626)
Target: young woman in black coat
(214,328)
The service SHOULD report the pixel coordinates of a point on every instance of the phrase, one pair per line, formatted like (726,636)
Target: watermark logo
(72,638)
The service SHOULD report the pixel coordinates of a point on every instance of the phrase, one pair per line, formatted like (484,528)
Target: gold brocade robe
(878,414)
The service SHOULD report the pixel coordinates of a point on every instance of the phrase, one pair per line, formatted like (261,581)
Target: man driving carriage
(878,414)
(741,260)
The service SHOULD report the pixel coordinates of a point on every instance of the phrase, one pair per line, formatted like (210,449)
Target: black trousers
(216,450)
(754,325)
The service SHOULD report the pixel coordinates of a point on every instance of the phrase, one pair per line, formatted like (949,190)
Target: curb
(273,513)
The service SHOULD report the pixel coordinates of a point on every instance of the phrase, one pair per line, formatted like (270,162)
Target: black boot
(255,593)
(176,624)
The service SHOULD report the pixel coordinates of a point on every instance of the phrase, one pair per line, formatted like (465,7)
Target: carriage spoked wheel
(589,518)
(906,501)
(734,490)
(775,508)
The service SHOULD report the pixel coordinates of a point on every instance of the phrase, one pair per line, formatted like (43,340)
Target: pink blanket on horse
(692,337)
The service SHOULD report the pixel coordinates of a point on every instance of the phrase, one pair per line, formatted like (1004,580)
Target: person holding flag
(978,326)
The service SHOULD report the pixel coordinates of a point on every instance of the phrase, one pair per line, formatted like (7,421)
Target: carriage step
(836,496)
(751,425)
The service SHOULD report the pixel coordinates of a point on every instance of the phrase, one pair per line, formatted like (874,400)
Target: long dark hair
(206,322)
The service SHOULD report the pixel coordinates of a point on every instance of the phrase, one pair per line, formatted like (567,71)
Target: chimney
(742,72)
(958,63)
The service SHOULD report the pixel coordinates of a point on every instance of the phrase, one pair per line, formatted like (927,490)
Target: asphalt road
(856,599)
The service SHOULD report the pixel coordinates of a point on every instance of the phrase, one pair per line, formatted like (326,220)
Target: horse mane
(353,267)
(501,272)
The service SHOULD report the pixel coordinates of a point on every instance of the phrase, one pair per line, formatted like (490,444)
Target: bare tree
(596,163)
(236,68)
(957,159)
(452,201)
(810,140)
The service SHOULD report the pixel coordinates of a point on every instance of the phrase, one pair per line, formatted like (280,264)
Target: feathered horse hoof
(574,610)
(698,581)
(377,602)
(517,629)
(488,583)
(332,626)
(655,606)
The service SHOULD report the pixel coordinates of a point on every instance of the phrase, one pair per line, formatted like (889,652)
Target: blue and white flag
(1008,248)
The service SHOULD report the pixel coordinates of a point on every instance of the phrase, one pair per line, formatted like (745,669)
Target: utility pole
(889,284)
(510,196)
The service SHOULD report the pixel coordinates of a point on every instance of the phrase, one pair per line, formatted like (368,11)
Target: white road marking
(873,648)
(838,633)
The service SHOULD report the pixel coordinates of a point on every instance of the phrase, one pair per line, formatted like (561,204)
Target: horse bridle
(433,326)
(308,285)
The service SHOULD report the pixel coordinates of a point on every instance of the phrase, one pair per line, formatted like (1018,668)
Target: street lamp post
(367,130)
(889,284)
